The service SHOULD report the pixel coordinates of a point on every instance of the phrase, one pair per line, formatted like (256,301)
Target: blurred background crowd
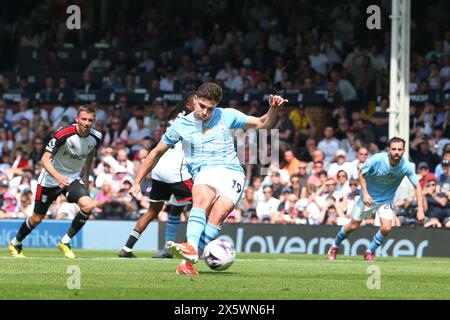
(249,48)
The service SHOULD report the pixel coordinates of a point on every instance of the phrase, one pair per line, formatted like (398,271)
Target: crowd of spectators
(287,46)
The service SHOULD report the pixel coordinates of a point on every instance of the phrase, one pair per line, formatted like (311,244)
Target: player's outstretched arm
(46,161)
(268,120)
(147,165)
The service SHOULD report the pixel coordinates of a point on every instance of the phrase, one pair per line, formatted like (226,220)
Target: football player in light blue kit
(380,177)
(212,160)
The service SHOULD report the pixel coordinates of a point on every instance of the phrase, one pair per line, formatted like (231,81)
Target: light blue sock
(341,236)
(172,226)
(196,225)
(211,232)
(376,242)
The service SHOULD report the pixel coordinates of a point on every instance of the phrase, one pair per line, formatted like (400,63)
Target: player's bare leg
(343,233)
(141,225)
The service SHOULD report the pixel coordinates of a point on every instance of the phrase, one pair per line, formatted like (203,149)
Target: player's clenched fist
(277,101)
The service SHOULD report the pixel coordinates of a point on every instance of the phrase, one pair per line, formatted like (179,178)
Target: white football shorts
(227,183)
(361,211)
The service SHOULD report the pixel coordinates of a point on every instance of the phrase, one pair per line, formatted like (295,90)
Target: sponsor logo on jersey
(75,156)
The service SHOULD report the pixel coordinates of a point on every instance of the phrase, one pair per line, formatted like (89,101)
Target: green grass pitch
(43,275)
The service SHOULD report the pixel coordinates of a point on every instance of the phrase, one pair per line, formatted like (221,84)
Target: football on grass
(219,254)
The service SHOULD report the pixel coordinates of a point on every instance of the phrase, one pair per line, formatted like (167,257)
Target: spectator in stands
(435,204)
(277,184)
(88,84)
(24,113)
(6,142)
(362,156)
(138,112)
(54,63)
(194,41)
(113,83)
(268,206)
(5,85)
(122,109)
(130,84)
(9,207)
(167,82)
(438,140)
(340,163)
(286,129)
(25,206)
(380,121)
(443,180)
(437,53)
(363,133)
(100,114)
(24,87)
(329,144)
(49,94)
(314,176)
(227,74)
(319,61)
(64,110)
(423,153)
(23,137)
(100,64)
(122,160)
(36,152)
(439,168)
(344,87)
(291,162)
(115,132)
(147,65)
(248,203)
(206,69)
(30,38)
(301,174)
(64,89)
(237,84)
(427,117)
(4,122)
(304,126)
(343,183)
(135,137)
(122,63)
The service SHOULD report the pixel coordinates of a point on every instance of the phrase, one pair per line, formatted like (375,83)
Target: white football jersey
(70,151)
(171,167)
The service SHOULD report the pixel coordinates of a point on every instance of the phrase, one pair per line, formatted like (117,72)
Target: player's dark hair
(210,91)
(86,108)
(396,139)
(181,106)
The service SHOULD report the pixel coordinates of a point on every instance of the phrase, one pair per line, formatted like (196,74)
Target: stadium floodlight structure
(399,78)
(399,71)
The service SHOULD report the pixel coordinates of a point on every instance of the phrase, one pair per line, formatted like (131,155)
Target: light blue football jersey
(210,143)
(383,179)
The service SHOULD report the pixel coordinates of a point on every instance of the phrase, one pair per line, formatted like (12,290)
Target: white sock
(66,239)
(14,242)
(126,249)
